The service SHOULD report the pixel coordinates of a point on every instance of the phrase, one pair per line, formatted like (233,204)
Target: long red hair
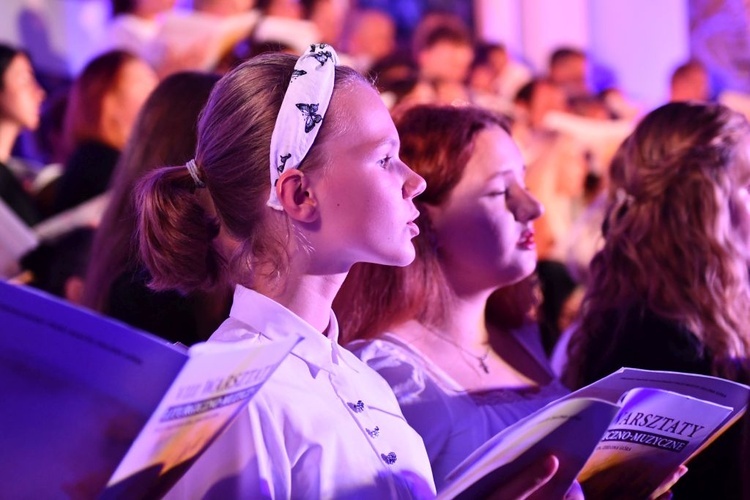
(436,142)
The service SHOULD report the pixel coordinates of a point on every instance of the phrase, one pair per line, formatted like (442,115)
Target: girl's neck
(464,319)
(476,355)
(8,134)
(308,296)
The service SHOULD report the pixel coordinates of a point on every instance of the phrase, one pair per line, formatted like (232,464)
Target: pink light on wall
(642,41)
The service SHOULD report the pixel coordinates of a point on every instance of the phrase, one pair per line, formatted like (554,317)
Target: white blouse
(133,33)
(452,421)
(323,426)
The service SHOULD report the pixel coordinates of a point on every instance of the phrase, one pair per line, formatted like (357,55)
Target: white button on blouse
(325,425)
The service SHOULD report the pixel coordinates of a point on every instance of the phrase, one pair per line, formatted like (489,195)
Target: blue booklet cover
(92,407)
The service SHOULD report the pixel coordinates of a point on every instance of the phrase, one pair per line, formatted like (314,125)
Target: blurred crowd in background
(71,151)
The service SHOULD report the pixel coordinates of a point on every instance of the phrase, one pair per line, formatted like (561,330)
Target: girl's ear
(295,196)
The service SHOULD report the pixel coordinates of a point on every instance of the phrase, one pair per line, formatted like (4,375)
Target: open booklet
(16,238)
(631,422)
(93,408)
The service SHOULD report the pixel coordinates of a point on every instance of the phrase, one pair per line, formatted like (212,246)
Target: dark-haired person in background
(20,103)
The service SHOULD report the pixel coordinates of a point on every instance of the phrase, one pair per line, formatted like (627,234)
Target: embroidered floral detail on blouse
(357,407)
(373,432)
(390,458)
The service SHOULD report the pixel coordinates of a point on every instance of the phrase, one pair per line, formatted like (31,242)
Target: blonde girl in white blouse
(325,425)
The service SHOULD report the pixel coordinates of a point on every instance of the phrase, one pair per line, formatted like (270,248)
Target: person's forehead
(358,101)
(495,154)
(20,61)
(18,68)
(363,119)
(450,44)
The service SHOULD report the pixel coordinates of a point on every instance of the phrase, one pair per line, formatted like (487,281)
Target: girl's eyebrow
(377,144)
(506,172)
(502,173)
(389,141)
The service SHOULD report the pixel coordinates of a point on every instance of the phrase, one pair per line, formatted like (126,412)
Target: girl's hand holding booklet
(635,426)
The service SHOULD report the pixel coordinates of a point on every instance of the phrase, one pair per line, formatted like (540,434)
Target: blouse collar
(274,321)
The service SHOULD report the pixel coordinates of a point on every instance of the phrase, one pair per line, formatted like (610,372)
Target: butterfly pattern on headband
(282,162)
(310,113)
(297,73)
(322,56)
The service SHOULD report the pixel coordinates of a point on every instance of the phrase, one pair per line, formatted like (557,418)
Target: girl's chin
(520,272)
(402,259)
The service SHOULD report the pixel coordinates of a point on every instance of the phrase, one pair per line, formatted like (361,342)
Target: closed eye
(498,193)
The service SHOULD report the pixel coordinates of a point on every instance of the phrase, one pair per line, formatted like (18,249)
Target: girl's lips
(413,222)
(526,241)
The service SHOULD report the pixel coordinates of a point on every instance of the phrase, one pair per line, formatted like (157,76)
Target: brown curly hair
(674,240)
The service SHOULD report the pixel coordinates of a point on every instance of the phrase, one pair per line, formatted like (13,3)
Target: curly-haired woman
(669,290)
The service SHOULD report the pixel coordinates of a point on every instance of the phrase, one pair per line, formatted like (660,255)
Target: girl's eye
(497,193)
(384,162)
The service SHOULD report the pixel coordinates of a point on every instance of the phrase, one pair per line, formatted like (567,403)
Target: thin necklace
(482,360)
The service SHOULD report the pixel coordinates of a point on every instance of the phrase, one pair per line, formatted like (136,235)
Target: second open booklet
(648,421)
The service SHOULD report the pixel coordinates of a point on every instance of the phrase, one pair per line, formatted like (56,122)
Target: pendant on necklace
(483,364)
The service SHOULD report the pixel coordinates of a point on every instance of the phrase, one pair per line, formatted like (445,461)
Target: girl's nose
(528,207)
(414,184)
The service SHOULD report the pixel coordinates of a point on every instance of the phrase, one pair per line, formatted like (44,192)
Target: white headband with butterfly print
(302,111)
